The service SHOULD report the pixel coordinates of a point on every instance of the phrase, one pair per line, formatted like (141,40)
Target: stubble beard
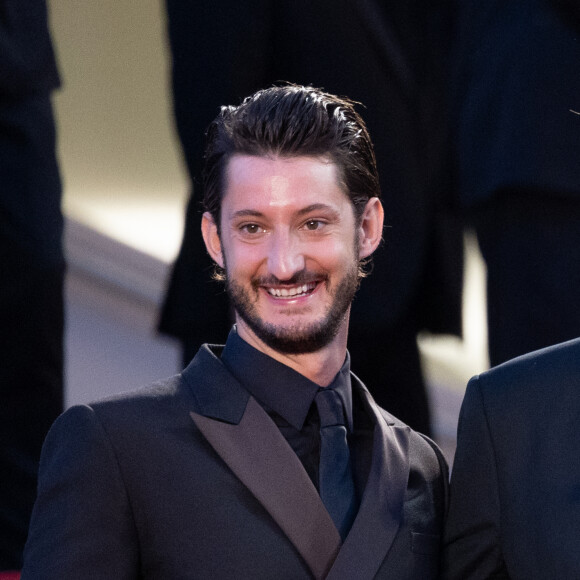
(298,338)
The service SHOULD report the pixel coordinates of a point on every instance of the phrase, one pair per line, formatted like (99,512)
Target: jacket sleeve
(82,525)
(27,60)
(472,548)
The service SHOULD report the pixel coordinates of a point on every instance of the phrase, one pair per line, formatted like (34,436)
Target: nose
(285,256)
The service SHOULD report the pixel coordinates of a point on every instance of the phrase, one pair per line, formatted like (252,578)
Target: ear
(371,227)
(211,238)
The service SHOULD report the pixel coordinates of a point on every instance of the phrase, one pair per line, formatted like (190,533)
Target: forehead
(282,182)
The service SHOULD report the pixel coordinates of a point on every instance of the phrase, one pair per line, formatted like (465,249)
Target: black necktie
(335,476)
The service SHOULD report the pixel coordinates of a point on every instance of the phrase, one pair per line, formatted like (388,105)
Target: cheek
(242,259)
(334,253)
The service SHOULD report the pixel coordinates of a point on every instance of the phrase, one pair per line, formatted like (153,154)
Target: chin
(296,340)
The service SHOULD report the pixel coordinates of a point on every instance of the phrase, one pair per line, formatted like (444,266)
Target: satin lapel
(379,515)
(261,458)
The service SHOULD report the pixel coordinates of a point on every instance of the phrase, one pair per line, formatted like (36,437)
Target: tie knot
(330,408)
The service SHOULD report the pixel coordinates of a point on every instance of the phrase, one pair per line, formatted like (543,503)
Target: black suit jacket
(515,485)
(190,478)
(389,56)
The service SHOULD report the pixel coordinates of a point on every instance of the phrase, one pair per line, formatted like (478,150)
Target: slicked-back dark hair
(291,121)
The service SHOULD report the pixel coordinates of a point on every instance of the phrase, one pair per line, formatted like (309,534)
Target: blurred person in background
(392,57)
(31,264)
(517,143)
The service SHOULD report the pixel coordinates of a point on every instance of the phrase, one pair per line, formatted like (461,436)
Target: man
(391,56)
(515,488)
(31,264)
(232,469)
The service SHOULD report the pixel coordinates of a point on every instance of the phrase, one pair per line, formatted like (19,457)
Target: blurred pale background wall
(121,163)
(124,199)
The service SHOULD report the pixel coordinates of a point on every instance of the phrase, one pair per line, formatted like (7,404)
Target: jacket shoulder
(527,377)
(425,456)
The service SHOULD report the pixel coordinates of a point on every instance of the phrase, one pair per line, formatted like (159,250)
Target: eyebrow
(316,207)
(305,210)
(247,212)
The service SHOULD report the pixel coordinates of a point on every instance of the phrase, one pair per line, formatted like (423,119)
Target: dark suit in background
(31,264)
(515,486)
(517,138)
(392,58)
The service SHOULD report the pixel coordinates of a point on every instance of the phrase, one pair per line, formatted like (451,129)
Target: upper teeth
(285,292)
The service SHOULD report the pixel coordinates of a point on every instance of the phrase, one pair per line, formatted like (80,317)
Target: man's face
(290,247)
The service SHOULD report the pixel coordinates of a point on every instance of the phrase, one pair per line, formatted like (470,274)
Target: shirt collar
(276,385)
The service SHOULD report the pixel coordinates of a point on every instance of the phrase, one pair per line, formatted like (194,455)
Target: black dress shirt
(288,398)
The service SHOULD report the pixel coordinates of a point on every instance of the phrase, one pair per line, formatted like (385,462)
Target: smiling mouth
(292,291)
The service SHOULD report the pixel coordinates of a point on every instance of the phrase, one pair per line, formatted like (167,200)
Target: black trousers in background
(31,308)
(531,246)
(30,399)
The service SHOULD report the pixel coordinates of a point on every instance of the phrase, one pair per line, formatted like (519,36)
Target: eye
(313,225)
(251,229)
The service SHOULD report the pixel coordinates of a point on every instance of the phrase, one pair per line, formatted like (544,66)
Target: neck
(320,367)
